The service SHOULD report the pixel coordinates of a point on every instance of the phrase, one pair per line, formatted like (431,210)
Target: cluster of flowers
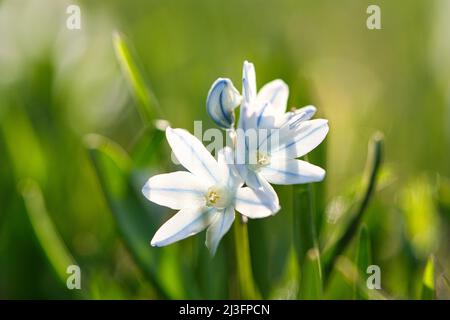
(208,194)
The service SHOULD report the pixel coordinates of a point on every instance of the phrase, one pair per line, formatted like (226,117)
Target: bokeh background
(58,85)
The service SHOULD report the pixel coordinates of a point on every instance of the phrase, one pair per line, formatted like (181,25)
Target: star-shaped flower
(206,195)
(265,160)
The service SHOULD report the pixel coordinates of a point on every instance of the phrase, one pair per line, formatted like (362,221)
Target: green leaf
(44,229)
(362,261)
(146,100)
(319,157)
(147,149)
(311,276)
(305,241)
(113,167)
(374,160)
(428,280)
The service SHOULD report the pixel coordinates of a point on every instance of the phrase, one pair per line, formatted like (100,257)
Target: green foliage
(428,281)
(51,242)
(362,260)
(146,100)
(61,204)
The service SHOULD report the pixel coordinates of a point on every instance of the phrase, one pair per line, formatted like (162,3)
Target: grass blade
(113,167)
(146,100)
(363,260)
(374,163)
(311,276)
(44,229)
(306,243)
(428,280)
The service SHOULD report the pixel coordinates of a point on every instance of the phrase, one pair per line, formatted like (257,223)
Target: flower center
(262,160)
(218,196)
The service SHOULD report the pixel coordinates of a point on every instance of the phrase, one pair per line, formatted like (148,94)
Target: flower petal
(221,101)
(255,203)
(185,223)
(248,82)
(218,228)
(301,139)
(248,95)
(193,155)
(175,190)
(291,171)
(230,173)
(276,92)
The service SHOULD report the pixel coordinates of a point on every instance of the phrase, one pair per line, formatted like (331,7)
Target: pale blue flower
(297,135)
(206,195)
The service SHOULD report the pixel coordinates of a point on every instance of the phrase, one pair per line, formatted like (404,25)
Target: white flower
(206,195)
(297,135)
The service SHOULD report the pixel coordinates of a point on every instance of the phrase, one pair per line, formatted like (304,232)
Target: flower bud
(222,99)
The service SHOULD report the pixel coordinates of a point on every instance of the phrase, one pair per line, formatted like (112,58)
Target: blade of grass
(311,276)
(305,242)
(363,260)
(146,150)
(113,168)
(44,229)
(428,280)
(146,100)
(349,272)
(373,165)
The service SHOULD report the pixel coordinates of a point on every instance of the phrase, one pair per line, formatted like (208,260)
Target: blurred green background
(58,85)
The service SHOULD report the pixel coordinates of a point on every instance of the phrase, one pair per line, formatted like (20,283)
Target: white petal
(266,116)
(185,223)
(248,82)
(175,190)
(248,106)
(221,101)
(278,136)
(301,139)
(310,111)
(229,171)
(276,92)
(218,228)
(193,155)
(252,180)
(291,171)
(255,204)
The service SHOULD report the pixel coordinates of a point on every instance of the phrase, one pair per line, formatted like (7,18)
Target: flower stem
(247,286)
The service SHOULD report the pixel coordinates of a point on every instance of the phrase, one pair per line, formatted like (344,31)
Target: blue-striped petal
(185,223)
(291,171)
(276,92)
(191,153)
(300,138)
(255,203)
(248,82)
(221,101)
(218,228)
(175,190)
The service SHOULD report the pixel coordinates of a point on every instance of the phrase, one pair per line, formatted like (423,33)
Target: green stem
(246,282)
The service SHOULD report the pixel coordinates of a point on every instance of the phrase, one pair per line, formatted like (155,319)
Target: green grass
(78,139)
